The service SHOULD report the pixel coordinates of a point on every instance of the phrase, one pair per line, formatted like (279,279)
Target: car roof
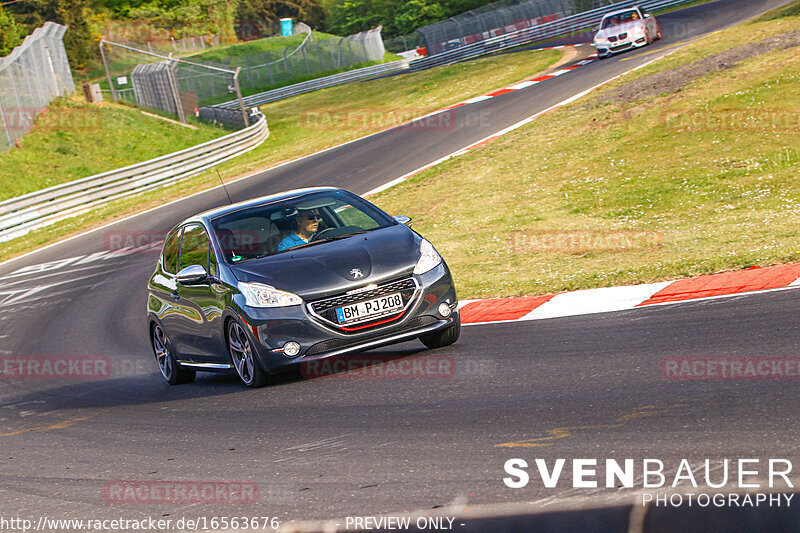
(206,216)
(617,12)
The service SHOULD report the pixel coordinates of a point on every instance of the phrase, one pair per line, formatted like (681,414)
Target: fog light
(445,310)
(291,349)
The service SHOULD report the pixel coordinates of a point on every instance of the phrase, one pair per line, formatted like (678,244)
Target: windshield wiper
(328,239)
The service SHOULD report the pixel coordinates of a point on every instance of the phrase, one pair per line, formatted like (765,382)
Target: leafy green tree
(264,14)
(10,33)
(353,16)
(81,47)
(417,13)
(456,7)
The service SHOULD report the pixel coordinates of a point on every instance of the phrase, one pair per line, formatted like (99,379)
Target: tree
(10,33)
(417,13)
(354,16)
(81,48)
(263,15)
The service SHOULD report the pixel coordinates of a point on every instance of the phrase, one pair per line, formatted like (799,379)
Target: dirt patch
(672,80)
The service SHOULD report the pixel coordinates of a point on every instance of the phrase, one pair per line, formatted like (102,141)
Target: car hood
(622,28)
(330,268)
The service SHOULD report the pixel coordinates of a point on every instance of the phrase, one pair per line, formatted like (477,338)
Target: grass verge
(598,194)
(296,130)
(222,53)
(74,139)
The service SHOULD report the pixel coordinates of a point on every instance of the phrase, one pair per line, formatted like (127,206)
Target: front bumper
(271,329)
(607,49)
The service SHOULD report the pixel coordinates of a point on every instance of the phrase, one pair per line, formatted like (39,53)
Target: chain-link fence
(185,46)
(181,86)
(30,77)
(499,18)
(404,43)
(275,68)
(168,84)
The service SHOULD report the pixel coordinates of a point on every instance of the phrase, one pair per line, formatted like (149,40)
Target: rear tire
(446,337)
(243,356)
(170,369)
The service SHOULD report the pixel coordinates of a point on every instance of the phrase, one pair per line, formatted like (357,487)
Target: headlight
(260,295)
(429,258)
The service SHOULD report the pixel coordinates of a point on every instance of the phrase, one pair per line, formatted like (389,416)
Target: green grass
(222,53)
(788,11)
(74,140)
(712,199)
(298,128)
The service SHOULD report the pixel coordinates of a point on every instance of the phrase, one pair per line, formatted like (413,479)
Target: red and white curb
(607,299)
(524,84)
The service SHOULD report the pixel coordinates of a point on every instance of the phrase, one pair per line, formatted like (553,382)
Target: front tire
(169,367)
(446,337)
(243,356)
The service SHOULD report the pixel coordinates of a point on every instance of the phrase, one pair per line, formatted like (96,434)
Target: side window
(194,249)
(171,250)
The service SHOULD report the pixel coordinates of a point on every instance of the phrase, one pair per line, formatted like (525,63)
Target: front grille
(333,344)
(320,306)
(326,308)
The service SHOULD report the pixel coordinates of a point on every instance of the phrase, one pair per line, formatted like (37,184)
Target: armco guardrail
(24,213)
(541,32)
(359,74)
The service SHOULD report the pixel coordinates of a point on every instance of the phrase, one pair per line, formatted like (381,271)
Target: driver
(634,16)
(307,223)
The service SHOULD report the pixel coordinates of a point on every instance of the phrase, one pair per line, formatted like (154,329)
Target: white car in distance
(625,29)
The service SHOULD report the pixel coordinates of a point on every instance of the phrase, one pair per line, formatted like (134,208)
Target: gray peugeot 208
(261,285)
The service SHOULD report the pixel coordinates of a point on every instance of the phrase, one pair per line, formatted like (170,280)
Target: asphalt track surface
(587,386)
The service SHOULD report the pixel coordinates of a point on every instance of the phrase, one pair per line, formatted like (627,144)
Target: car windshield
(619,18)
(301,221)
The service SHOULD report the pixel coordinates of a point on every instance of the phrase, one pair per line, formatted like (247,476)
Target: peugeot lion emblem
(356,273)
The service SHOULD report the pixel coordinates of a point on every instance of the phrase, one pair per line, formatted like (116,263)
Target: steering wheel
(336,232)
(322,234)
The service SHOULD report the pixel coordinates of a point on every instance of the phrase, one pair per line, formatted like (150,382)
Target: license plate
(374,308)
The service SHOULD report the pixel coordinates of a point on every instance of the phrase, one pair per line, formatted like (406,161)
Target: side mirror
(404,220)
(647,15)
(192,275)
